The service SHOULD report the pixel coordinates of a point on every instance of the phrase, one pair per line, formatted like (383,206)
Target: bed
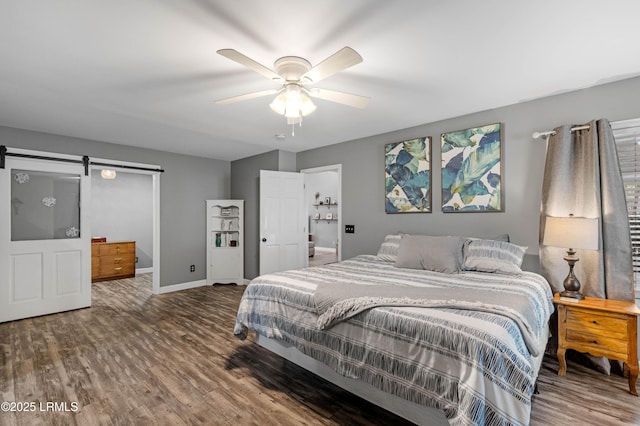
(389,324)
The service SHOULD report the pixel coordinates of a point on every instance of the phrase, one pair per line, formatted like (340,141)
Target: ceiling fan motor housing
(291,68)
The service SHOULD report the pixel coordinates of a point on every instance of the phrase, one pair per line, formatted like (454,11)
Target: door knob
(264,240)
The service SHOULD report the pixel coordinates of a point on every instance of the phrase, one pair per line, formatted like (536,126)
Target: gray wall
(523,165)
(185,184)
(122,210)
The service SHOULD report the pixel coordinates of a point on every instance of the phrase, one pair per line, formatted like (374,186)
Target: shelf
(325,205)
(225,263)
(327,220)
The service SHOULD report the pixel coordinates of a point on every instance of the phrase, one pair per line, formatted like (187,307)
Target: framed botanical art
(407,173)
(472,169)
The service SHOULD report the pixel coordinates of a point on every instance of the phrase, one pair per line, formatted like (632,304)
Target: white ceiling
(145,72)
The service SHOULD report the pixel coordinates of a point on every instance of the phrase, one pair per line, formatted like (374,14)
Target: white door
(45,238)
(283,224)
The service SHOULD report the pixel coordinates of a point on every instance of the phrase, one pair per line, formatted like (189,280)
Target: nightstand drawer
(598,344)
(614,326)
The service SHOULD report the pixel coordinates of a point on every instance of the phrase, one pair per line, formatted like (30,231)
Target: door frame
(130,167)
(330,168)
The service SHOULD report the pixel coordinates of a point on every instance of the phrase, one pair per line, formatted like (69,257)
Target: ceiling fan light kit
(292,100)
(293,103)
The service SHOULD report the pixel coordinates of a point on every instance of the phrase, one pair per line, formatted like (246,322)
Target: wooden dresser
(112,261)
(601,327)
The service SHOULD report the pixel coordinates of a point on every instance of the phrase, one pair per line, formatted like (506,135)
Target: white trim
(183,286)
(144,270)
(155,182)
(331,168)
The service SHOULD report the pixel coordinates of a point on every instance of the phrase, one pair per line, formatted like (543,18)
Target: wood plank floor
(134,358)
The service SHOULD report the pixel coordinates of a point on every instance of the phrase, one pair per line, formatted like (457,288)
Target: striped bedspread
(474,365)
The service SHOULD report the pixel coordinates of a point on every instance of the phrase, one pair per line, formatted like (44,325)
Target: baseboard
(326,249)
(144,270)
(183,286)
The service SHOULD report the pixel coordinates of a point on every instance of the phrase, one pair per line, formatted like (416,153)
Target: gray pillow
(439,254)
(493,256)
(388,250)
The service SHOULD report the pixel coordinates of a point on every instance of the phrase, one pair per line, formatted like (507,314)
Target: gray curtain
(582,176)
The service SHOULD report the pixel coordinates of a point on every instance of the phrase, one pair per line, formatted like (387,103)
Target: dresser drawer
(608,325)
(117,248)
(117,259)
(116,270)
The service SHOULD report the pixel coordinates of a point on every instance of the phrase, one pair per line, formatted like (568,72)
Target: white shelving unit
(225,241)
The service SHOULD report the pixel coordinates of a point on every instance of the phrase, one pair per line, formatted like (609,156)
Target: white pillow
(493,256)
(388,250)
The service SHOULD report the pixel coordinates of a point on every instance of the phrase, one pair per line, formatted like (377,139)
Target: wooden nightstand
(602,327)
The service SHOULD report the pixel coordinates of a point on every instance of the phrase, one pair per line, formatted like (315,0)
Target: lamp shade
(571,232)
(293,103)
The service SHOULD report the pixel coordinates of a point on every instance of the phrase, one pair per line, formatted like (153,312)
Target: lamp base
(572,294)
(571,283)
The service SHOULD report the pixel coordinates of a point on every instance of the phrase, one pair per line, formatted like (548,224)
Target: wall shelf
(325,205)
(335,219)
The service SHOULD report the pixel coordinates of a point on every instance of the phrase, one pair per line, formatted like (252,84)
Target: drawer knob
(595,342)
(118,269)
(596,322)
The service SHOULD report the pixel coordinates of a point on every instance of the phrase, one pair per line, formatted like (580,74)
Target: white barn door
(45,237)
(283,222)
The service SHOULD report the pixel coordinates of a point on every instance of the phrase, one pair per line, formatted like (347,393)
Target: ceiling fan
(296,74)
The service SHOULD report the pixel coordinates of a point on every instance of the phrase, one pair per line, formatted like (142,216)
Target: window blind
(627,137)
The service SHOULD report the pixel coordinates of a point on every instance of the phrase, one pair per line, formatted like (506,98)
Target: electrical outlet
(349,229)
(192,268)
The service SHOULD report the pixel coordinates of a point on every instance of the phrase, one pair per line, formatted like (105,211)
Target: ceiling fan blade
(355,101)
(238,57)
(341,60)
(246,97)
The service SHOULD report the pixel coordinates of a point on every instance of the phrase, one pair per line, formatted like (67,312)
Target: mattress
(474,365)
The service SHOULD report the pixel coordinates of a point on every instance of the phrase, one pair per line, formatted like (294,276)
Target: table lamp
(575,233)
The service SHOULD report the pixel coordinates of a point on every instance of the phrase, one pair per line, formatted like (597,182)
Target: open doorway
(122,210)
(127,208)
(323,194)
